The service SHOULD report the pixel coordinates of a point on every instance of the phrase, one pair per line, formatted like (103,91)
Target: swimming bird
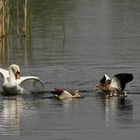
(63,94)
(12,82)
(116,85)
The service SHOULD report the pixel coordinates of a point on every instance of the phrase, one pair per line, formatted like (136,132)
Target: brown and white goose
(63,94)
(116,85)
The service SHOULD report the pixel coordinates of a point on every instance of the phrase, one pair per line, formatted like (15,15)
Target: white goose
(12,84)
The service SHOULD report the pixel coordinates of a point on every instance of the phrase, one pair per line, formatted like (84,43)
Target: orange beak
(17,75)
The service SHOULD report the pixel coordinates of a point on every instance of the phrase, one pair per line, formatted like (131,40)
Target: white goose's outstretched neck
(14,72)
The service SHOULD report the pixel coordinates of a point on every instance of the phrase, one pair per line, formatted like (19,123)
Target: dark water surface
(73,43)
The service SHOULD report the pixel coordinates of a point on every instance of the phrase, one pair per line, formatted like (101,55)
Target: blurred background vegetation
(14,24)
(27,26)
(10,21)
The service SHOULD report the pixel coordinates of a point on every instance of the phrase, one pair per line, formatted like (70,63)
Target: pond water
(72,44)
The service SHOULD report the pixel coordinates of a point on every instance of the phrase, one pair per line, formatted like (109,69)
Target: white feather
(115,83)
(107,77)
(65,94)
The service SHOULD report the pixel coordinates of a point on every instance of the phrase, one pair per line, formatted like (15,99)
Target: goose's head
(14,70)
(57,91)
(103,86)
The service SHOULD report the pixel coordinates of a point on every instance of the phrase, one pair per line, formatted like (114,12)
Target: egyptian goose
(116,85)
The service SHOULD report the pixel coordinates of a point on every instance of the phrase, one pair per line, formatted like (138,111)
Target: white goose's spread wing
(115,83)
(4,74)
(37,83)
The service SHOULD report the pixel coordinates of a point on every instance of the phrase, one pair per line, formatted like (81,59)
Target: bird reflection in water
(118,111)
(9,114)
(67,103)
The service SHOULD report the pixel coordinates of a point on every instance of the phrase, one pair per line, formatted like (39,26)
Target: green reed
(14,25)
(14,17)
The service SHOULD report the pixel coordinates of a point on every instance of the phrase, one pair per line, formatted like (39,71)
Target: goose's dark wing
(123,79)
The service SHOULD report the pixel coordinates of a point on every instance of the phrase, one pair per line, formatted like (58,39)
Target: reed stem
(25,17)
(7,17)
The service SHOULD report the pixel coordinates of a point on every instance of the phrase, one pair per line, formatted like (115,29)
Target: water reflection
(16,50)
(9,114)
(125,113)
(117,111)
(66,104)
